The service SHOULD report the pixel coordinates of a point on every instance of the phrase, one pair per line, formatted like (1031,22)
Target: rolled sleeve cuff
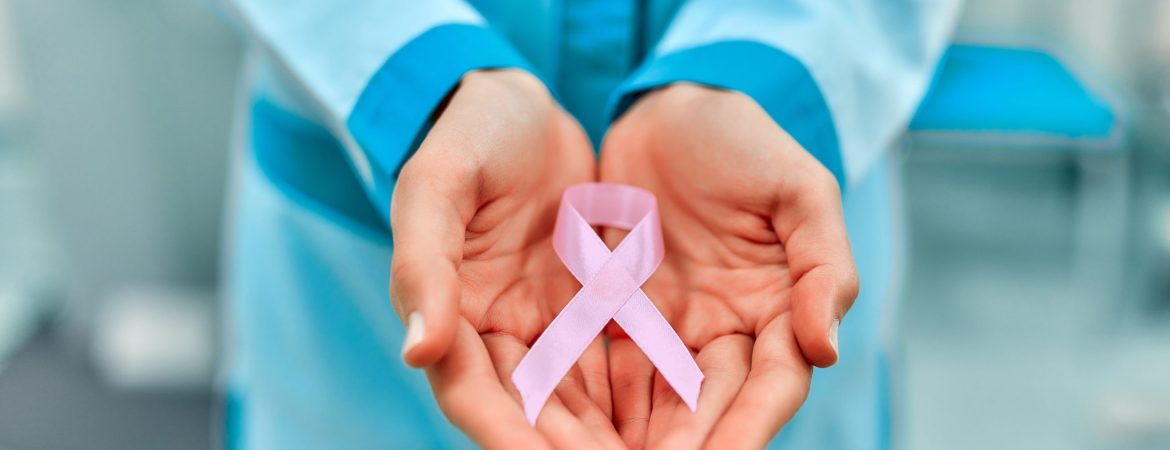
(777,81)
(395,107)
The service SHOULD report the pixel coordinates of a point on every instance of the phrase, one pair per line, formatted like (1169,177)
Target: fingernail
(416,329)
(833,334)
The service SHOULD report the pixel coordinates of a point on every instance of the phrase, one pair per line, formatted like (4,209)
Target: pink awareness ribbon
(611,288)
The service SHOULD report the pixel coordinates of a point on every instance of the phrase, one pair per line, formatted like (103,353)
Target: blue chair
(1023,95)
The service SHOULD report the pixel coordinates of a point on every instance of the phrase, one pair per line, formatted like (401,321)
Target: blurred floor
(53,400)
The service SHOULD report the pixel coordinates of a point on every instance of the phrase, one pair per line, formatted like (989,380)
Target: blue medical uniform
(340,92)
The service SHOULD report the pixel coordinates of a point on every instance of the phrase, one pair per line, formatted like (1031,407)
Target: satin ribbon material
(611,289)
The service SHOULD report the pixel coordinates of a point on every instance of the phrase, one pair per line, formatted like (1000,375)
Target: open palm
(474,272)
(757,269)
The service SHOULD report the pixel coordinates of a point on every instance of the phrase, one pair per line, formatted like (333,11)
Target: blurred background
(1035,309)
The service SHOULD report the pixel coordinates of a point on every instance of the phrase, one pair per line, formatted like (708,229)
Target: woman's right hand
(474,275)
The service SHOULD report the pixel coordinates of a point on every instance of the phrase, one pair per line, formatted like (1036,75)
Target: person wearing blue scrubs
(423,146)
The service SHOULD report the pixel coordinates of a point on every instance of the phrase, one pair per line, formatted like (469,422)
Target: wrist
(686,90)
(688,93)
(692,103)
(503,81)
(486,85)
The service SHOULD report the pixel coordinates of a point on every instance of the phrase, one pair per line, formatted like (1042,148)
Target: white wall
(129,118)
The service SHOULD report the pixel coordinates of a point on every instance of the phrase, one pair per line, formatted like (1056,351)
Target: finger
(775,388)
(565,429)
(428,218)
(724,362)
(556,423)
(469,392)
(631,376)
(594,371)
(575,398)
(810,225)
(663,406)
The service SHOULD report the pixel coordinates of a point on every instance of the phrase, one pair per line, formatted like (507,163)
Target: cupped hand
(474,275)
(757,273)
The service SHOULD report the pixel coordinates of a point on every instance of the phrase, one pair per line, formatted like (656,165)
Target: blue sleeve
(372,70)
(843,77)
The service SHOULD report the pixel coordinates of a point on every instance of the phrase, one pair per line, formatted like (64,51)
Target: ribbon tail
(653,334)
(569,334)
(552,355)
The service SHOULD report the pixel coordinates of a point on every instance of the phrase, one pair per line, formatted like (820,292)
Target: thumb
(428,231)
(811,227)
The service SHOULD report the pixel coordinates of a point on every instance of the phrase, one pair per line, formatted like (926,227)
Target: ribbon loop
(611,289)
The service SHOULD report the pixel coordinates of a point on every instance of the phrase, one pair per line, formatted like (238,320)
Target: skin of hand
(474,274)
(757,274)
